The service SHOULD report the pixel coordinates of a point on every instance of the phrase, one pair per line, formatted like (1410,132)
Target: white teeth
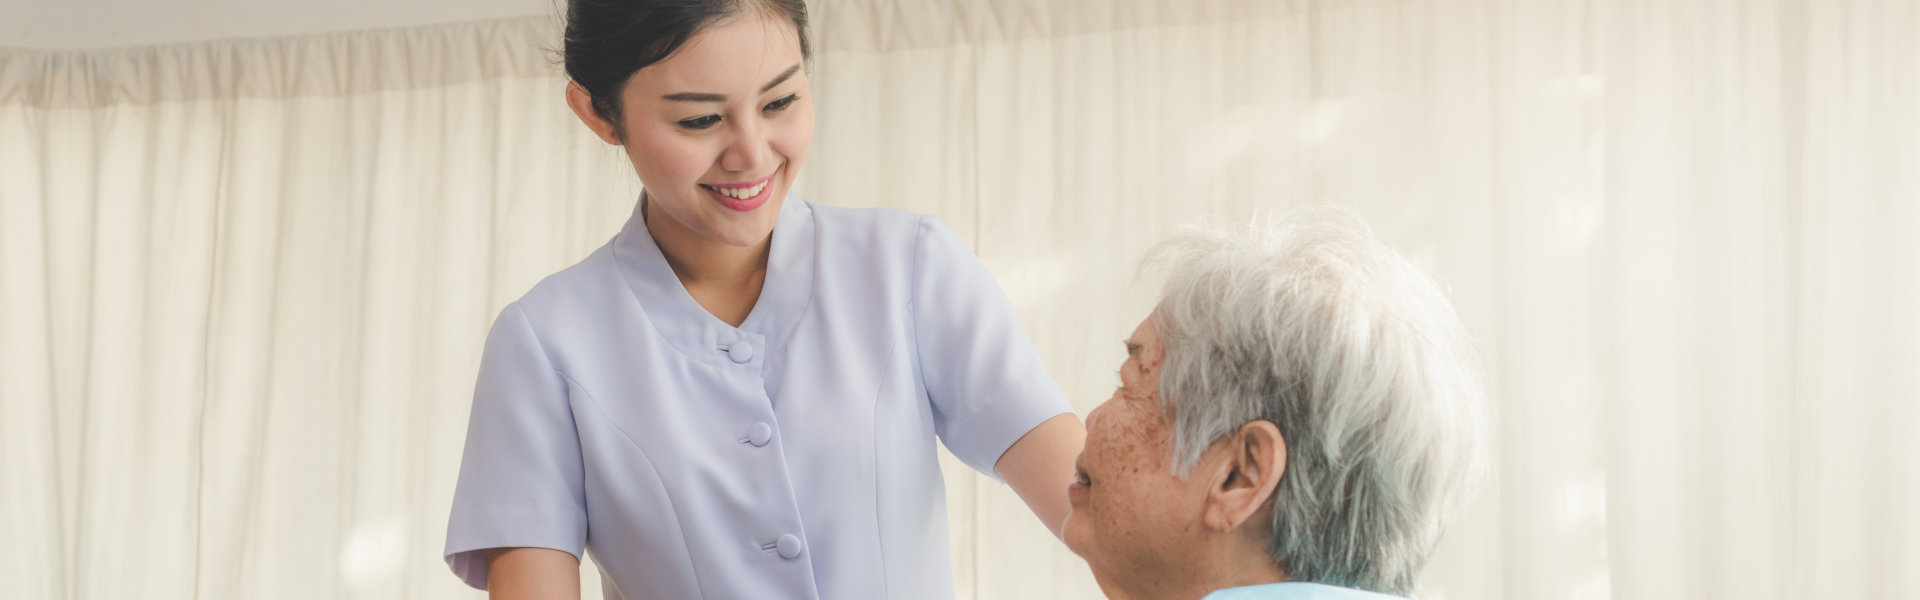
(743,193)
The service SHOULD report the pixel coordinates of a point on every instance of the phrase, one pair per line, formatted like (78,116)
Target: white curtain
(244,284)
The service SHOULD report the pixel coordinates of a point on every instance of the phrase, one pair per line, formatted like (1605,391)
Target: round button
(740,352)
(759,434)
(789,545)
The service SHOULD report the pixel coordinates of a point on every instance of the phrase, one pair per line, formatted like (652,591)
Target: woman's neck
(725,279)
(698,260)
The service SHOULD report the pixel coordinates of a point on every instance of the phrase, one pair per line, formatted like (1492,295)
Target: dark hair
(608,40)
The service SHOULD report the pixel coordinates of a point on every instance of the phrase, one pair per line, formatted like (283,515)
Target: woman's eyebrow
(706,97)
(782,78)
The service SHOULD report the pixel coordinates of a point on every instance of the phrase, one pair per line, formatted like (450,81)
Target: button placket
(743,350)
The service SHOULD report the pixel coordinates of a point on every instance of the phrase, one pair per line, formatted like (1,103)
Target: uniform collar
(784,295)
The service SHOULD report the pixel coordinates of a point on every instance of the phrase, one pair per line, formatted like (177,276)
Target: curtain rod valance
(882,25)
(334,64)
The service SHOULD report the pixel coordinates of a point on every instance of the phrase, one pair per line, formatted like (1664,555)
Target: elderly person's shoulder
(1296,591)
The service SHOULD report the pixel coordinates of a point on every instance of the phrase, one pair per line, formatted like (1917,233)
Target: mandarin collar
(784,295)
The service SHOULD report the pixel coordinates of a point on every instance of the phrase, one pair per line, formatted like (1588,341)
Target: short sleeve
(982,374)
(521,479)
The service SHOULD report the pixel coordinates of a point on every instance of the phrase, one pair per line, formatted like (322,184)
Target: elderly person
(1296,420)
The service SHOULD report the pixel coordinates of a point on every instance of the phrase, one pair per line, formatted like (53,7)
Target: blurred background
(249,252)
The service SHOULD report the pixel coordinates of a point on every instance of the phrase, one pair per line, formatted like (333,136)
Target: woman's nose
(748,150)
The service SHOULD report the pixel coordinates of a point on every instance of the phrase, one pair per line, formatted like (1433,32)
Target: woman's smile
(744,196)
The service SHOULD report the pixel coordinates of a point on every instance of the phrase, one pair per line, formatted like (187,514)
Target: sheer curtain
(244,284)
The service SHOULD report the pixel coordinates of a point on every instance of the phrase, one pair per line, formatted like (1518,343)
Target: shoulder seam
(913,276)
(541,345)
(534,333)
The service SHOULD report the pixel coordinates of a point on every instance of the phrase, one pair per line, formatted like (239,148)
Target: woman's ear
(582,104)
(1256,457)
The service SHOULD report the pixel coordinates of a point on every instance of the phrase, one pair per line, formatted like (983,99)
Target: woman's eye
(783,103)
(701,122)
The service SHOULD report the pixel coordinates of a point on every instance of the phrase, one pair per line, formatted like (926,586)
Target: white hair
(1357,357)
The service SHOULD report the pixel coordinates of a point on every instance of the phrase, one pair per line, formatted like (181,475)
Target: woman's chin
(745,230)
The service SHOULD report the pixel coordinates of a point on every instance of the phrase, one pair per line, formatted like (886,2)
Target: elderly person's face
(1124,491)
(1132,519)
(1126,501)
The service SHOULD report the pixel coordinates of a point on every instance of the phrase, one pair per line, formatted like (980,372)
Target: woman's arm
(1040,465)
(532,574)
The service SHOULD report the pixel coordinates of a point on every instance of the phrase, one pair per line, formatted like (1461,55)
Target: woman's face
(719,129)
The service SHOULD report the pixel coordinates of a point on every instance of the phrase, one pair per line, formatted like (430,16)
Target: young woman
(738,395)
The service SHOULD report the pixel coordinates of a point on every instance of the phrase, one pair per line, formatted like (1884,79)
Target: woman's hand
(532,574)
(1040,466)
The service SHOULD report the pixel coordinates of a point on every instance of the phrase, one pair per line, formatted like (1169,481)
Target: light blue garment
(1296,591)
(791,457)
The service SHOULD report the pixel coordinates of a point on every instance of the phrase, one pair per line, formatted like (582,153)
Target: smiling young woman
(739,395)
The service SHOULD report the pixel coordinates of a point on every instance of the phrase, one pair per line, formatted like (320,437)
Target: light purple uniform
(791,457)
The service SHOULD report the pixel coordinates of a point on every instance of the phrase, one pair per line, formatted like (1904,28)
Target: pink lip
(746,205)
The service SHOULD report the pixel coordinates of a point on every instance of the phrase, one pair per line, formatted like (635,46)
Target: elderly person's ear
(1242,483)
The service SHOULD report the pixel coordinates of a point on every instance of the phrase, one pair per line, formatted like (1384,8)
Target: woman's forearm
(1040,465)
